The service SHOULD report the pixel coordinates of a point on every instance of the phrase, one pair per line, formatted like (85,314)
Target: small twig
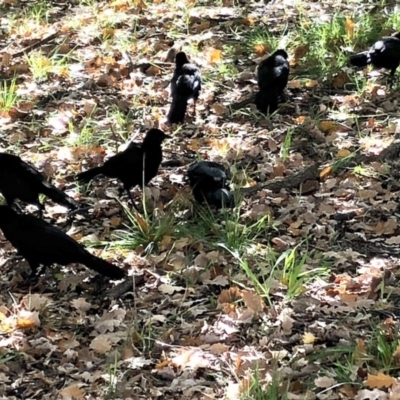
(289,182)
(35,45)
(124,287)
(243,103)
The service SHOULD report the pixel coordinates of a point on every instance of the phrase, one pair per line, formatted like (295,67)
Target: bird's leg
(40,208)
(133,201)
(35,270)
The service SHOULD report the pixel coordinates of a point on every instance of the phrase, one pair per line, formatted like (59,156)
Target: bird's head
(155,136)
(221,198)
(181,59)
(281,53)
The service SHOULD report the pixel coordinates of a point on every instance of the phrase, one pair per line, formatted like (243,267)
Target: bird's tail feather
(104,268)
(360,59)
(58,196)
(266,101)
(89,174)
(178,110)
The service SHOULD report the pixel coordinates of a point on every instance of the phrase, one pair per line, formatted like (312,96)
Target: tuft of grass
(9,97)
(38,12)
(260,40)
(145,230)
(41,65)
(383,347)
(287,143)
(258,389)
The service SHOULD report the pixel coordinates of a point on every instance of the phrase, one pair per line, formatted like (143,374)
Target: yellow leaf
(328,126)
(308,338)
(342,153)
(349,26)
(311,83)
(326,172)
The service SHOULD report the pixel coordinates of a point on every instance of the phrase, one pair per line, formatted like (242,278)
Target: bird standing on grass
(41,243)
(208,182)
(19,180)
(185,85)
(385,53)
(272,78)
(137,161)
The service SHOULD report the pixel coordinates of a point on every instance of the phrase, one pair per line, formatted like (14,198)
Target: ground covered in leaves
(293,294)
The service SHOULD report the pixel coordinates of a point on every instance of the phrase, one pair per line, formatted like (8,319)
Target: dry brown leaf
(380,381)
(73,392)
(301,51)
(229,295)
(253,301)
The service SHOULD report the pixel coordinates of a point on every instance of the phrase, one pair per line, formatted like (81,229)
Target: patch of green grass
(123,121)
(146,230)
(39,12)
(9,97)
(287,143)
(260,36)
(382,347)
(258,389)
(224,227)
(41,65)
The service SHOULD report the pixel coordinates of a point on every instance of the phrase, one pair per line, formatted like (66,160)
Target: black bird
(185,85)
(41,243)
(128,165)
(208,182)
(272,78)
(385,53)
(19,180)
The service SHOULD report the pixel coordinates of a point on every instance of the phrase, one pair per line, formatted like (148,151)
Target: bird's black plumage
(41,243)
(19,180)
(208,181)
(185,85)
(385,53)
(272,78)
(134,163)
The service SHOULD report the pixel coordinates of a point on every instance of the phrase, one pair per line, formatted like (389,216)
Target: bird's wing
(31,234)
(130,156)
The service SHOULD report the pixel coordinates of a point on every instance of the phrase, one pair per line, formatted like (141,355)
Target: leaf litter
(296,292)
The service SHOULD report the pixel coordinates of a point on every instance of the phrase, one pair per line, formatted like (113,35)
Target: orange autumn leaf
(260,49)
(24,323)
(215,56)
